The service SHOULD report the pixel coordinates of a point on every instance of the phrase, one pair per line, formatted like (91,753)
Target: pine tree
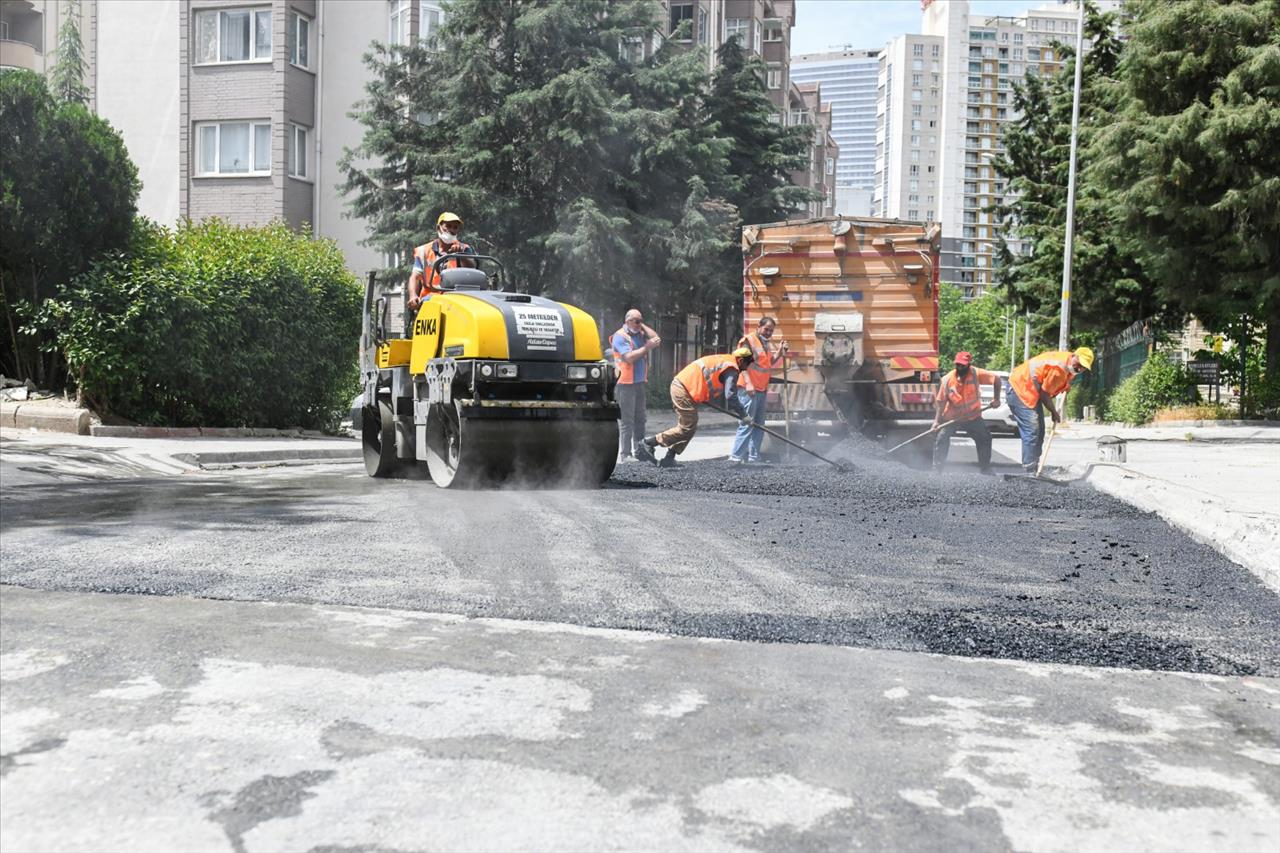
(1192,156)
(764,153)
(573,162)
(67,77)
(1110,290)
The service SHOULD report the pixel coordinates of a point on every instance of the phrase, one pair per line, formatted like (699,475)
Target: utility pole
(1026,339)
(1064,328)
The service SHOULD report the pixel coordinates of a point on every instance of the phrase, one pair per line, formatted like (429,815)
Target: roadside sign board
(1204,372)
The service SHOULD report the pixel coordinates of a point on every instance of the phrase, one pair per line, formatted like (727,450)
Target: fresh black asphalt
(878,556)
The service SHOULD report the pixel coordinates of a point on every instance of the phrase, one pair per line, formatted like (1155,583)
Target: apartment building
(239,108)
(985,57)
(29,34)
(849,81)
(909,129)
(819,174)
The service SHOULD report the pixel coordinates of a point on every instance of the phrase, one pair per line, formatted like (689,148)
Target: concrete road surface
(137,723)
(877,658)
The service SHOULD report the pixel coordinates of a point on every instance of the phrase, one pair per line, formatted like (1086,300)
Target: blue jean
(746,445)
(1030,426)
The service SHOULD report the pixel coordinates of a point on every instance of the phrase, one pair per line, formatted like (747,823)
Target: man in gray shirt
(631,346)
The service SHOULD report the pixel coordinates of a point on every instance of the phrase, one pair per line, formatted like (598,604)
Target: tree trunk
(1272,314)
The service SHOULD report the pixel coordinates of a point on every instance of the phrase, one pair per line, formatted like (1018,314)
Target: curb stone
(109,431)
(32,415)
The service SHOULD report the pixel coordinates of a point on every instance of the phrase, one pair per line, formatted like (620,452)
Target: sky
(823,25)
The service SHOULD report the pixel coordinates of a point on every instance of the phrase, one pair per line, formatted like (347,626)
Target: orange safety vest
(704,378)
(756,377)
(1049,369)
(962,400)
(428,253)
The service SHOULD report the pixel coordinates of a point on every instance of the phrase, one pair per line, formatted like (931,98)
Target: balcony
(21,35)
(19,54)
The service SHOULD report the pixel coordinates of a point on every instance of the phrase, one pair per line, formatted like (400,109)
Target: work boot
(644,450)
(668,461)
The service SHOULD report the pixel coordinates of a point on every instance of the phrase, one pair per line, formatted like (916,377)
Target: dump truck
(856,300)
(484,386)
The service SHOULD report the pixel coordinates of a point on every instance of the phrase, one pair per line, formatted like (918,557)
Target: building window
(233,35)
(298,155)
(734,28)
(1017,38)
(631,49)
(936,51)
(755,37)
(917,79)
(916,94)
(915,140)
(430,17)
(681,12)
(774,79)
(831,166)
(917,50)
(913,214)
(702,26)
(917,65)
(917,109)
(233,148)
(773,30)
(398,21)
(298,40)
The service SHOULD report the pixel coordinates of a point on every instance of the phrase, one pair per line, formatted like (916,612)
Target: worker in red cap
(959,405)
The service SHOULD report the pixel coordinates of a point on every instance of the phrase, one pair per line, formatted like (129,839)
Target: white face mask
(446,237)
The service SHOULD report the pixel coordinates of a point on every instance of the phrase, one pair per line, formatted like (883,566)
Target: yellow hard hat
(1086,357)
(743,352)
(448,217)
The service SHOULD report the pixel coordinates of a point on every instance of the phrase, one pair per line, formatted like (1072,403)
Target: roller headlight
(595,373)
(577,371)
(486,370)
(508,371)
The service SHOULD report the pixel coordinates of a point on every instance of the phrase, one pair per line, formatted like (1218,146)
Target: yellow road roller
(484,386)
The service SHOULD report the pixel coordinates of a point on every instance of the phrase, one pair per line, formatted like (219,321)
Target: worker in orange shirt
(959,406)
(753,388)
(710,379)
(1035,383)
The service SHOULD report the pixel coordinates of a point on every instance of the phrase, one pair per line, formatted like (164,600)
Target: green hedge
(1157,384)
(214,325)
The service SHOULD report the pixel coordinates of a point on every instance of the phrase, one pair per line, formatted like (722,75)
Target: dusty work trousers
(678,437)
(975,429)
(746,444)
(1030,426)
(631,400)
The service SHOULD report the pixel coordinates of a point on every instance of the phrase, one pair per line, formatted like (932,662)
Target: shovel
(929,431)
(1044,455)
(838,465)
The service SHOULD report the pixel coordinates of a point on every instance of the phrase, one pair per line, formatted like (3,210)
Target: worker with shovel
(1035,383)
(710,380)
(959,409)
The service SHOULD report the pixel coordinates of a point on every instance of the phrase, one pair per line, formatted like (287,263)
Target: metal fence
(1123,354)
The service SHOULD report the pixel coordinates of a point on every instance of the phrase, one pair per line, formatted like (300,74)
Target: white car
(999,420)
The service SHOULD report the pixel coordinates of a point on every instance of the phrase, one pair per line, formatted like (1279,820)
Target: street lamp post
(1064,328)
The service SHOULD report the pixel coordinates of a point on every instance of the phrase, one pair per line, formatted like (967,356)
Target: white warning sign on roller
(541,327)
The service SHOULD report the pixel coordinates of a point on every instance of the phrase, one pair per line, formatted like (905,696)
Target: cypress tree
(66,80)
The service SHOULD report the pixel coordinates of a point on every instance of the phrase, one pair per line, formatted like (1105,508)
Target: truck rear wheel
(378,436)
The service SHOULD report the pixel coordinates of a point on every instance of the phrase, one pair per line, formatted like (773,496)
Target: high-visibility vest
(428,253)
(627,369)
(756,377)
(1049,369)
(704,378)
(962,398)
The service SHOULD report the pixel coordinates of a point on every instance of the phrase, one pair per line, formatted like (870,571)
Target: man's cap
(448,217)
(964,358)
(1086,357)
(742,352)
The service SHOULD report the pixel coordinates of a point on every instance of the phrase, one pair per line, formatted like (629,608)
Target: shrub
(1157,384)
(214,325)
